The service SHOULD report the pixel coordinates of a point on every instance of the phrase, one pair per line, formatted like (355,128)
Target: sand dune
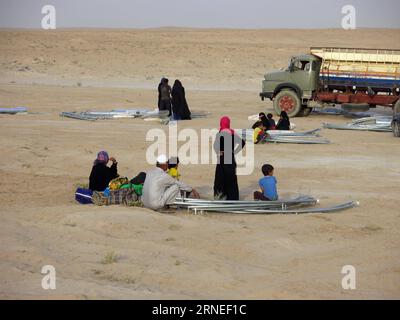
(202,59)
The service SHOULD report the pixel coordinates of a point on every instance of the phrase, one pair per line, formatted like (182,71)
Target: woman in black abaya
(227,145)
(180,107)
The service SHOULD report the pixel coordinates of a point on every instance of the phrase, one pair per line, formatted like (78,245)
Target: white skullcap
(162,159)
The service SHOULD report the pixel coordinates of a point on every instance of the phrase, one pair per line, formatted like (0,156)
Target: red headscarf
(225,125)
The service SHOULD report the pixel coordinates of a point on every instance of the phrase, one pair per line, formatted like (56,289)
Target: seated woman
(271,120)
(284,122)
(101,175)
(262,118)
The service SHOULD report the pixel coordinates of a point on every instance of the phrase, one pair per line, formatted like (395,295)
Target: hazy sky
(200,13)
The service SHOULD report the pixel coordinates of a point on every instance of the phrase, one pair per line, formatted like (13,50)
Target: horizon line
(194,28)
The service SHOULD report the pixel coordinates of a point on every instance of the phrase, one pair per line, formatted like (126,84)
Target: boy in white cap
(160,189)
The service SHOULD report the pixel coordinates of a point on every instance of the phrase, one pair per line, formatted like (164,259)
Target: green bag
(138,188)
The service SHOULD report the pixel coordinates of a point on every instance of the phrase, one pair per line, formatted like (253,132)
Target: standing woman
(227,145)
(159,93)
(180,107)
(284,122)
(164,96)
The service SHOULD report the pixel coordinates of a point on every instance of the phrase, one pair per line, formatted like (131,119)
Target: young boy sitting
(173,163)
(267,185)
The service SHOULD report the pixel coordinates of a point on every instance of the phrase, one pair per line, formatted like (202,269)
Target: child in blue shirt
(267,184)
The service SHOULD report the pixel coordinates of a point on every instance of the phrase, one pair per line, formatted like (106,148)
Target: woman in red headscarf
(227,144)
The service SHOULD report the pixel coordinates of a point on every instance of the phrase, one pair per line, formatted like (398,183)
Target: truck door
(301,74)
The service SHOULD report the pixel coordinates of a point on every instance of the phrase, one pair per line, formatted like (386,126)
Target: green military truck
(354,78)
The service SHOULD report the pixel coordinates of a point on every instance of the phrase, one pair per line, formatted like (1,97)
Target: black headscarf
(177,87)
(284,115)
(284,122)
(139,179)
(264,120)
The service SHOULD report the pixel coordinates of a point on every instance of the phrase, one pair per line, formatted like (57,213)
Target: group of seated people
(159,187)
(266,123)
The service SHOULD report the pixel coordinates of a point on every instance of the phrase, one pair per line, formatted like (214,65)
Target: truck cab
(356,78)
(290,89)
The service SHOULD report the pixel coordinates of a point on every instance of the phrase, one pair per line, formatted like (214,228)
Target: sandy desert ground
(162,256)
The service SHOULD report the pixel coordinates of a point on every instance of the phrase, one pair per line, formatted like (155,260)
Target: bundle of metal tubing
(128,113)
(124,113)
(79,116)
(377,123)
(289,206)
(96,115)
(339,207)
(328,111)
(296,140)
(13,110)
(164,114)
(307,137)
(348,114)
(199,114)
(288,136)
(289,133)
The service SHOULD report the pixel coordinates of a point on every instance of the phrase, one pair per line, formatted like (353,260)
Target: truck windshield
(301,65)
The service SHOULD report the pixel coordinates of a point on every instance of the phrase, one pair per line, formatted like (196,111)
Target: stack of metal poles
(126,113)
(306,137)
(328,111)
(78,115)
(298,205)
(114,114)
(377,123)
(13,110)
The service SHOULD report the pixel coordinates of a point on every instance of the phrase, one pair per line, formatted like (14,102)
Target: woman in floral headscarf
(227,144)
(101,175)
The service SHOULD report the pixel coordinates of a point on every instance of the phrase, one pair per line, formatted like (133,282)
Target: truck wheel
(304,112)
(287,100)
(396,108)
(396,129)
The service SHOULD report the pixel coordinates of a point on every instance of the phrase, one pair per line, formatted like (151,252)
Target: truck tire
(396,108)
(396,129)
(304,112)
(355,107)
(287,100)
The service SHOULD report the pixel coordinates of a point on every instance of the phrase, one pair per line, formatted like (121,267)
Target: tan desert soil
(159,256)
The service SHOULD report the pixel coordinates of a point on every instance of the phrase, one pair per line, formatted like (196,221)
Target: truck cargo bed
(376,69)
